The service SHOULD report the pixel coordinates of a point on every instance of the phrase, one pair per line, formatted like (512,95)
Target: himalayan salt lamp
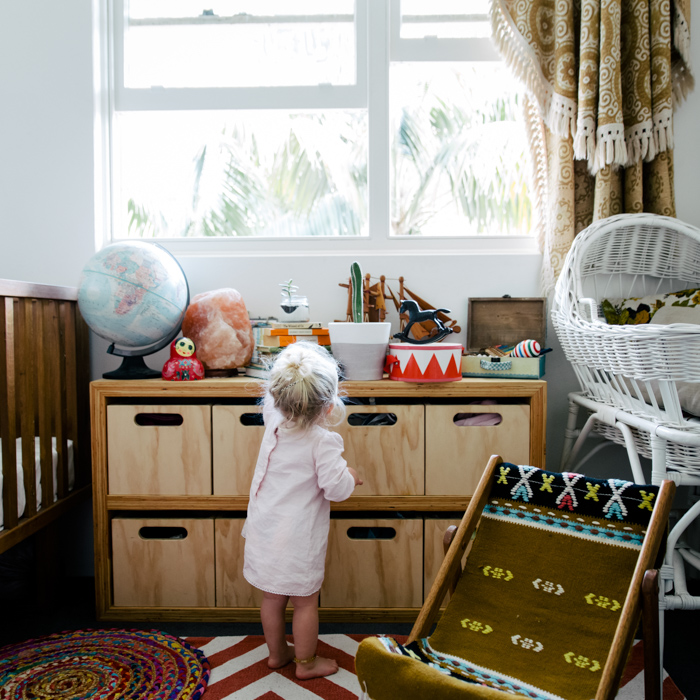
(219,325)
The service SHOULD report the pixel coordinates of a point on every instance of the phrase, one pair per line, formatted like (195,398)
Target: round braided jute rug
(101,665)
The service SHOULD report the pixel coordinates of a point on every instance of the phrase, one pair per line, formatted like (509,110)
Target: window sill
(329,247)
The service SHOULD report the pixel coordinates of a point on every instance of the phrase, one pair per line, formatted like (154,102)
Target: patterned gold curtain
(603,78)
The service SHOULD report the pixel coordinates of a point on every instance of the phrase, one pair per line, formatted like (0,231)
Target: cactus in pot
(357,293)
(359,347)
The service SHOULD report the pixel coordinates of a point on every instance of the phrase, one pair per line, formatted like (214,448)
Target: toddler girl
(299,471)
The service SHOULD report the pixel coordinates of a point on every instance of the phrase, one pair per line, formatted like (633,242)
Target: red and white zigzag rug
(240,672)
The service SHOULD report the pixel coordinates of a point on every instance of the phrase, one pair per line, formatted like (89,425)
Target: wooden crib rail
(44,384)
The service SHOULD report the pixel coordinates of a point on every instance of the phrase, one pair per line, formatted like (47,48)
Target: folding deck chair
(549,599)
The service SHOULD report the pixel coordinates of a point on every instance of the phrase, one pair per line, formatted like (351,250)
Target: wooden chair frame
(642,592)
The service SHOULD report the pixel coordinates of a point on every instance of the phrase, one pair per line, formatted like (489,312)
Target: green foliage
(141,221)
(457,159)
(462,155)
(357,292)
(288,289)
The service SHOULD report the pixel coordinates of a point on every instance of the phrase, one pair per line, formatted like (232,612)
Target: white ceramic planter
(360,348)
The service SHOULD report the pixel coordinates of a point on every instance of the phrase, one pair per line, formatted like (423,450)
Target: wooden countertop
(385,388)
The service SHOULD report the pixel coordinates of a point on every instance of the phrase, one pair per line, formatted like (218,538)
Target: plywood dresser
(173,461)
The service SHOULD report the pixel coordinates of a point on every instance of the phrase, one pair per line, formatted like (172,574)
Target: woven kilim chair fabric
(538,603)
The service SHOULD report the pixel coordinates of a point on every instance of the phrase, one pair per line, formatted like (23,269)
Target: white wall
(445,281)
(46,152)
(47,198)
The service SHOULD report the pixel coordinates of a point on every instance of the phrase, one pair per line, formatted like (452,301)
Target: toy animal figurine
(417,315)
(424,328)
(374,303)
(183,365)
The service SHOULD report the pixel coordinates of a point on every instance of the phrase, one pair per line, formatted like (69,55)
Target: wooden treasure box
(493,321)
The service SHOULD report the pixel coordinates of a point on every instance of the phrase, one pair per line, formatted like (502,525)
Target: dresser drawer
(163,562)
(232,590)
(434,551)
(237,432)
(455,455)
(384,443)
(374,564)
(159,450)
(386,446)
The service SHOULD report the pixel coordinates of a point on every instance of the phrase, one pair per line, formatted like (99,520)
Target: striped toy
(527,348)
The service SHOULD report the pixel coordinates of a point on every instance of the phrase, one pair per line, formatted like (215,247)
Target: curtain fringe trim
(681,36)
(560,113)
(534,129)
(519,56)
(610,148)
(663,131)
(561,116)
(585,141)
(642,142)
(682,81)
(664,135)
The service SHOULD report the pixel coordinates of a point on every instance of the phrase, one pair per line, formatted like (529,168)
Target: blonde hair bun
(303,385)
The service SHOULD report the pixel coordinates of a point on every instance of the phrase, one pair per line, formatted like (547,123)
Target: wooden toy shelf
(173,461)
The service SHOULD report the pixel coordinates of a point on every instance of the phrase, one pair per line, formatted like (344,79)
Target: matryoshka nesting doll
(183,365)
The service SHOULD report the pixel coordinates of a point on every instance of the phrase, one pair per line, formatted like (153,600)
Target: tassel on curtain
(603,78)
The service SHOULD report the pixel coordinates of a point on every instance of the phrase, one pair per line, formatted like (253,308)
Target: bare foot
(320,667)
(282,660)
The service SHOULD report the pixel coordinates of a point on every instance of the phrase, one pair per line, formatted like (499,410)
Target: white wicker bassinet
(631,375)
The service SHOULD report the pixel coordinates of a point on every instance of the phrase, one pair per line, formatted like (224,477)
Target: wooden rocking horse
(416,315)
(426,329)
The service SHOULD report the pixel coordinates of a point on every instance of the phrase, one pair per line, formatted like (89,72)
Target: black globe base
(133,368)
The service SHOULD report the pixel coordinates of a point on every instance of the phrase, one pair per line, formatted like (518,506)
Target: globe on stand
(133,294)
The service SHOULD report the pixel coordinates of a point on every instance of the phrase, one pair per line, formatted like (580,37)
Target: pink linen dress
(297,475)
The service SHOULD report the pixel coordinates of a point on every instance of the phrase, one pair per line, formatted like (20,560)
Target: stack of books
(257,369)
(279,335)
(258,325)
(272,337)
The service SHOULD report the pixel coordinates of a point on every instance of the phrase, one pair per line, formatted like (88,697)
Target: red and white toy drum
(432,362)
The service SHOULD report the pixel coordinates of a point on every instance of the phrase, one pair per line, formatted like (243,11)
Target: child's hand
(356,476)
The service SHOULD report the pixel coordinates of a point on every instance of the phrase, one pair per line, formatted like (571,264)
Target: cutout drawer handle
(252,419)
(374,419)
(371,533)
(483,419)
(162,420)
(162,533)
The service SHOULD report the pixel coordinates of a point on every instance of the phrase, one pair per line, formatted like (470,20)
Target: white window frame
(288,97)
(377,46)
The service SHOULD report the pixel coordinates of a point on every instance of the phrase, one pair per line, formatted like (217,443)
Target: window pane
(445,19)
(459,159)
(240,174)
(175,43)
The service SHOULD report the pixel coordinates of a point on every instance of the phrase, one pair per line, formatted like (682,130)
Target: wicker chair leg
(570,434)
(632,455)
(583,434)
(658,459)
